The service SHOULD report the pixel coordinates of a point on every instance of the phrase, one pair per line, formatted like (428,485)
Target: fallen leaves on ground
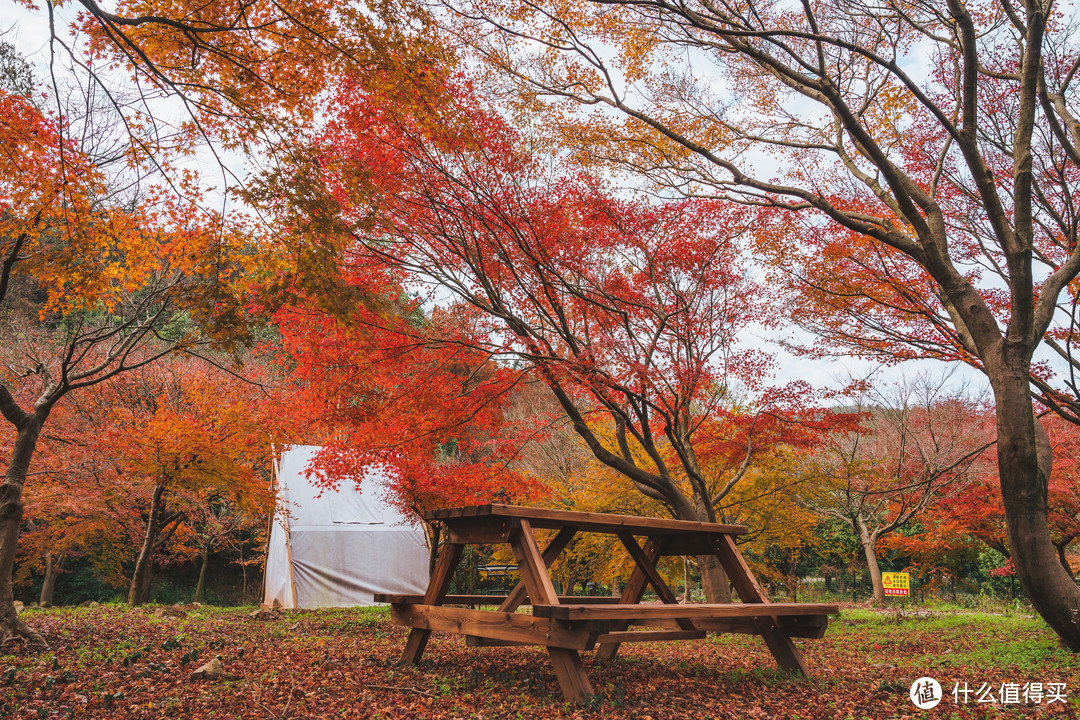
(119,663)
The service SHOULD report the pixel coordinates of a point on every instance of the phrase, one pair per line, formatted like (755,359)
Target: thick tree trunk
(139,592)
(870,551)
(1024,463)
(11,512)
(205,554)
(434,533)
(1064,560)
(868,541)
(52,571)
(686,579)
(714,581)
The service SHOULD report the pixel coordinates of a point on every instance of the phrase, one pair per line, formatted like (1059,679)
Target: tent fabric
(339,548)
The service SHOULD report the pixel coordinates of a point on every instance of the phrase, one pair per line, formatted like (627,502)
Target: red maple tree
(978,512)
(621,306)
(382,384)
(134,465)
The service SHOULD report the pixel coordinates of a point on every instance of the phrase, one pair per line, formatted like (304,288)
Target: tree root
(19,632)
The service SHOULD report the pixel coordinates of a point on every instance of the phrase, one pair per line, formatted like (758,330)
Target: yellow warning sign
(896,583)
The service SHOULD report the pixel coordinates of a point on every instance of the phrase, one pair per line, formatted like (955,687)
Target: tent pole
(273,510)
(270,520)
(288,553)
(270,529)
(288,545)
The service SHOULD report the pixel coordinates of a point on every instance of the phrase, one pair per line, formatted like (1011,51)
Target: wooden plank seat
(581,626)
(585,633)
(489,599)
(796,626)
(503,626)
(622,611)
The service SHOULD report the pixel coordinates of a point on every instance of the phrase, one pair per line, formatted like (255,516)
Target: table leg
(449,557)
(635,588)
(647,564)
(519,594)
(781,646)
(573,681)
(551,552)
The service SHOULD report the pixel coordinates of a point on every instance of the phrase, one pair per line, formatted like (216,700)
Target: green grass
(1020,642)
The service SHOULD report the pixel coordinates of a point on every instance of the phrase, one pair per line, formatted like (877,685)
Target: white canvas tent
(341,548)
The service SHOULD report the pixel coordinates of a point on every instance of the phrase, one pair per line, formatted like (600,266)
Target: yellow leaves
(99,258)
(251,57)
(1074,288)
(50,220)
(67,237)
(192,426)
(251,73)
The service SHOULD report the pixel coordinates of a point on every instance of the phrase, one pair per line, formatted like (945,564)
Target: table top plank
(584,521)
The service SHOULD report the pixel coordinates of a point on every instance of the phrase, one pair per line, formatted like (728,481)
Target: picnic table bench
(566,625)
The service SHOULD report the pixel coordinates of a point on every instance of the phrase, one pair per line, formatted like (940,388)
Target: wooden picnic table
(568,625)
